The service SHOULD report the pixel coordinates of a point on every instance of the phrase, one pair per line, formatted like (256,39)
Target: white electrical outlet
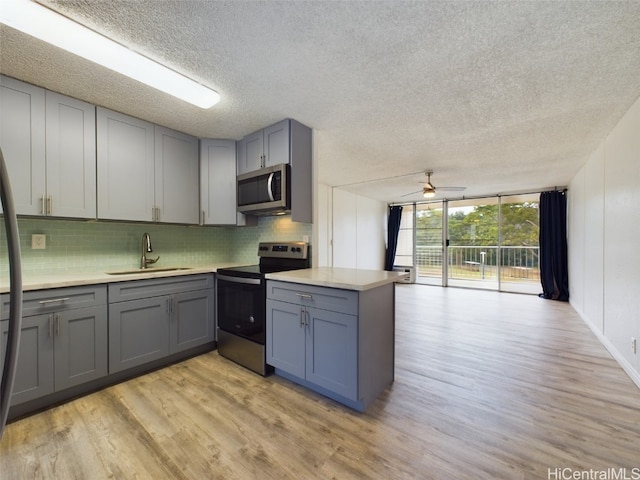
(305,238)
(38,242)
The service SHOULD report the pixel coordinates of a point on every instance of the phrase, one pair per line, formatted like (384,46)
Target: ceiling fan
(429,189)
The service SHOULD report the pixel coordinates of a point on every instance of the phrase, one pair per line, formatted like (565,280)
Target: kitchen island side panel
(376,346)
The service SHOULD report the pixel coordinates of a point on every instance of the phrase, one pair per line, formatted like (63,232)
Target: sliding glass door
(429,242)
(488,243)
(472,252)
(519,247)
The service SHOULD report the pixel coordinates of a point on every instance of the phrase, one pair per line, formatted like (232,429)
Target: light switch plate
(38,241)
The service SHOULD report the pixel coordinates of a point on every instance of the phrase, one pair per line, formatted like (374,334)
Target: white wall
(604,236)
(351,230)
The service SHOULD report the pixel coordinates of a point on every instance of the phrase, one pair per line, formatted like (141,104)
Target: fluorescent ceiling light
(46,25)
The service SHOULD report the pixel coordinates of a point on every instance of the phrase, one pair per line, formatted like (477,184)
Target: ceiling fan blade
(451,189)
(409,194)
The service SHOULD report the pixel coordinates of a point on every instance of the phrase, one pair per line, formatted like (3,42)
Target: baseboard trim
(633,374)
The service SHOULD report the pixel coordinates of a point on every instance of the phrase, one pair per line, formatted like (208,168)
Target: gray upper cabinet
(48,141)
(22,138)
(71,157)
(218,184)
(145,172)
(250,153)
(265,148)
(290,142)
(176,177)
(126,181)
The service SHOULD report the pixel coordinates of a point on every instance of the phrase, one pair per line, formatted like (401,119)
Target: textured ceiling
(499,97)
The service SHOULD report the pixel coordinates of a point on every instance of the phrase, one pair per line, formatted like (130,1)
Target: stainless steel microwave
(266,191)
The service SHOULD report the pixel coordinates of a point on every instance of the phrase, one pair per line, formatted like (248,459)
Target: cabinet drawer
(57,299)
(334,299)
(133,290)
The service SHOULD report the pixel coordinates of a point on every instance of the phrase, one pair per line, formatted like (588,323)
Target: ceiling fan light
(44,24)
(428,192)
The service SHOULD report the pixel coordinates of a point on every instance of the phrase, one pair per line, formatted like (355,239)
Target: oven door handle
(251,281)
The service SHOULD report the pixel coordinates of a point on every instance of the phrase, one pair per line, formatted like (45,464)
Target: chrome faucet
(146,248)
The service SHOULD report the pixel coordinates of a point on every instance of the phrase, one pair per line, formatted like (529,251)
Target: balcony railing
(466,262)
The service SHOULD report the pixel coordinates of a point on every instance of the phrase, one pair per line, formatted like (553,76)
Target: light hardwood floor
(488,386)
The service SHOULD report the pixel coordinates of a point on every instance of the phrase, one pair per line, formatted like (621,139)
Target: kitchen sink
(147,270)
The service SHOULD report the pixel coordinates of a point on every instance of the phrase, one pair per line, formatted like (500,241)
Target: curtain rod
(423,202)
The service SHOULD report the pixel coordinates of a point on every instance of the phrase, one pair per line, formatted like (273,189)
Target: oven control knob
(251,319)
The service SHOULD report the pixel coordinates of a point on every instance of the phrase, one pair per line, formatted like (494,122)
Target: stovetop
(274,257)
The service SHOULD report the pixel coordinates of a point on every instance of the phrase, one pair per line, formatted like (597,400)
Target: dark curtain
(393,228)
(554,270)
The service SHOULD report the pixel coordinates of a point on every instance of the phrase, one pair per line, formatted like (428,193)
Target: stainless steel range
(241,302)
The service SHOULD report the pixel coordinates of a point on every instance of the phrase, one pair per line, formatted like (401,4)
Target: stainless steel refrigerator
(12,338)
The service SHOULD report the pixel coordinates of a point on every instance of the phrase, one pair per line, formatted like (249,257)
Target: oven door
(241,305)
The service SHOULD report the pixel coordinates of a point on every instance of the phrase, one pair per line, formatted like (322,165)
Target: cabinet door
(192,320)
(286,334)
(138,332)
(80,346)
(332,351)
(176,177)
(22,138)
(250,151)
(71,157)
(276,144)
(125,166)
(218,182)
(34,373)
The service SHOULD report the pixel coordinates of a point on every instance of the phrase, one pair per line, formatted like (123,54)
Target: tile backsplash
(76,245)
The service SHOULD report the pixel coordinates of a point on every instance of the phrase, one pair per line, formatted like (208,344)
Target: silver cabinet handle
(302,311)
(54,300)
(49,205)
(305,296)
(42,206)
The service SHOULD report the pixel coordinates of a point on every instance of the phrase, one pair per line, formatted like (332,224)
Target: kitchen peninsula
(348,315)
(332,330)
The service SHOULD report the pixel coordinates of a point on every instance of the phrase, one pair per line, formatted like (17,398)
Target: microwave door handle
(270,186)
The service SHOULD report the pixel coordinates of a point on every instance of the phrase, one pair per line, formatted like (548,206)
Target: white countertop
(345,278)
(70,279)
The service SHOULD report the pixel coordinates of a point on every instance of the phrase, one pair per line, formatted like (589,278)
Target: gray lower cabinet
(63,340)
(151,319)
(317,345)
(337,342)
